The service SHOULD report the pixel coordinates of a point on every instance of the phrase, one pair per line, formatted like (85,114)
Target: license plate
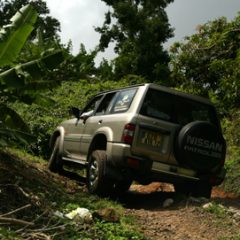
(150,138)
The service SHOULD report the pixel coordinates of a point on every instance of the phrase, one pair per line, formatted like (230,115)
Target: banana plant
(14,35)
(21,82)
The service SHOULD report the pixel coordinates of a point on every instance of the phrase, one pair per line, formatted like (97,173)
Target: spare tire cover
(201,146)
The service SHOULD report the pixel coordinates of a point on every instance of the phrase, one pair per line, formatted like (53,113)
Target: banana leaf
(20,76)
(12,79)
(14,35)
(12,135)
(11,119)
(13,128)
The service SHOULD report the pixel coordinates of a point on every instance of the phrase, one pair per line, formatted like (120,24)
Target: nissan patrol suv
(143,133)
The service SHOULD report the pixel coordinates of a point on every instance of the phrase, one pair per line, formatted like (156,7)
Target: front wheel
(97,181)
(55,161)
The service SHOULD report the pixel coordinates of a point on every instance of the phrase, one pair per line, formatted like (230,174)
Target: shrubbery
(232,180)
(231,129)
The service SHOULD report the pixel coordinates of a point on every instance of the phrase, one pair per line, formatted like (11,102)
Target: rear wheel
(55,161)
(97,182)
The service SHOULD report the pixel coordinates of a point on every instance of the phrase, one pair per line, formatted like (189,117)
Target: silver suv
(144,133)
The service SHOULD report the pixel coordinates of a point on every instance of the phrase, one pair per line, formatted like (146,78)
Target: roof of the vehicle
(179,93)
(165,89)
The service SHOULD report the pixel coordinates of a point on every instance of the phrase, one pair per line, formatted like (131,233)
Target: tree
(139,28)
(76,67)
(49,26)
(105,70)
(208,62)
(83,64)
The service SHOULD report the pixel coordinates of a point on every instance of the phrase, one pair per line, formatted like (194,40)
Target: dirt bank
(161,214)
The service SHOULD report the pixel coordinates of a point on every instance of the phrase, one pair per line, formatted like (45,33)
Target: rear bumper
(122,164)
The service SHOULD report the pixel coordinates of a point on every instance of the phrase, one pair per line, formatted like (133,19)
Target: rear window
(176,109)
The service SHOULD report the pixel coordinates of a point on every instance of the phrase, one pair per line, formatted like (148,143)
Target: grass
(217,209)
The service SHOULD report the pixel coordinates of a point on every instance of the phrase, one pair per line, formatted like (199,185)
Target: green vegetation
(237,237)
(208,62)
(217,210)
(232,180)
(20,82)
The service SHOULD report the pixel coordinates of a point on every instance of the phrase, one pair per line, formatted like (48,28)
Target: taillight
(128,133)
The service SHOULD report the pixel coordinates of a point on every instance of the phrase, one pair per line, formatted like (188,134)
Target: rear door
(155,128)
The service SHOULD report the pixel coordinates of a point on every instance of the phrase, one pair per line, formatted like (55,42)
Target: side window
(105,104)
(123,100)
(92,106)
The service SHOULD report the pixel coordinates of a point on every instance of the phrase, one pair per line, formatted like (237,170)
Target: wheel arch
(99,142)
(59,132)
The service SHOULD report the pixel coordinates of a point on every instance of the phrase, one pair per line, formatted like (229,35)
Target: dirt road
(162,214)
(185,218)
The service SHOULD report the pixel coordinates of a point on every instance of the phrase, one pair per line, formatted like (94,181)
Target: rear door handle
(100,121)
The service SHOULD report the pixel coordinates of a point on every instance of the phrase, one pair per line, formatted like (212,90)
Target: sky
(79,17)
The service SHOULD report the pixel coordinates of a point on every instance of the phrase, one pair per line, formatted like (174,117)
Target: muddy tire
(97,182)
(55,161)
(200,146)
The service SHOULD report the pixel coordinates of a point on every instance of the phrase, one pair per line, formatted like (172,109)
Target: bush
(232,180)
(231,128)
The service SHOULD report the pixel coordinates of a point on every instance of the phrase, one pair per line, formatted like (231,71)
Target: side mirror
(75,112)
(86,115)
